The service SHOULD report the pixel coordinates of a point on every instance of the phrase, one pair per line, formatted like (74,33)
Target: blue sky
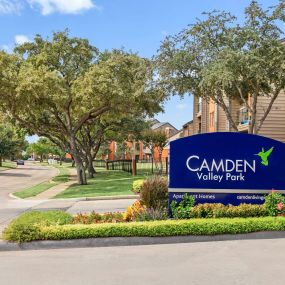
(136,25)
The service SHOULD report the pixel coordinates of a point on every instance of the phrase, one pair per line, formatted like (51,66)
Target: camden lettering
(219,170)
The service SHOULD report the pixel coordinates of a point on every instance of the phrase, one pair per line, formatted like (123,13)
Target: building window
(199,104)
(211,119)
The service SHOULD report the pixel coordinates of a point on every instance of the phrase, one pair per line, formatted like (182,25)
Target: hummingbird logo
(264,156)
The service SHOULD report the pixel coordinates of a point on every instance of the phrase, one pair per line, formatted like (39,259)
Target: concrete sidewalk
(32,174)
(72,206)
(53,191)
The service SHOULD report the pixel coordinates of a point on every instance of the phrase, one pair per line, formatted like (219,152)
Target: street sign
(229,168)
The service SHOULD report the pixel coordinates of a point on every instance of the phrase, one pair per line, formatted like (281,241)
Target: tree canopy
(55,87)
(219,59)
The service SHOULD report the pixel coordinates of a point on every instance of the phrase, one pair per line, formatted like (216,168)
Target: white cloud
(181,106)
(48,7)
(6,48)
(10,7)
(21,39)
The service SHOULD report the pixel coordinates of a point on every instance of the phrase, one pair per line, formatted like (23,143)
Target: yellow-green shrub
(229,211)
(137,185)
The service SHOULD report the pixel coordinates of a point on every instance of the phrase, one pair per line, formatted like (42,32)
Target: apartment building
(188,129)
(138,149)
(209,117)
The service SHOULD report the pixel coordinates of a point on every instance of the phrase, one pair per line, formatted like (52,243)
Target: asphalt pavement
(247,262)
(32,174)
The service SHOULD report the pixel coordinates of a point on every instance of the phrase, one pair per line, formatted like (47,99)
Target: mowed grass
(106,183)
(62,177)
(8,165)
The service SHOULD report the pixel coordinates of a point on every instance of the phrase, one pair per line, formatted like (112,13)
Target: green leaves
(219,59)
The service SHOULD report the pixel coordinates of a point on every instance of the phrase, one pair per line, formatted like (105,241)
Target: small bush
(182,209)
(206,210)
(274,203)
(27,226)
(154,192)
(134,211)
(95,218)
(229,211)
(152,215)
(137,185)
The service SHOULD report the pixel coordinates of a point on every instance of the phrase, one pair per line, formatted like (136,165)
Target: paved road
(232,262)
(17,179)
(23,177)
(33,174)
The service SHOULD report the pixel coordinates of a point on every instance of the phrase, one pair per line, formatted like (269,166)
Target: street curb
(122,197)
(11,195)
(79,199)
(133,241)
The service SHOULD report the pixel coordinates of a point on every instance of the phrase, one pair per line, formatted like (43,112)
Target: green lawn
(8,165)
(62,177)
(106,183)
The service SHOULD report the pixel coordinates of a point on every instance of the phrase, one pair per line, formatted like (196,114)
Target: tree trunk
(90,167)
(0,161)
(81,175)
(160,161)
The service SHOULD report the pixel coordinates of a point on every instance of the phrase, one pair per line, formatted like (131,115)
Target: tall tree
(108,128)
(12,142)
(42,148)
(155,140)
(59,85)
(220,60)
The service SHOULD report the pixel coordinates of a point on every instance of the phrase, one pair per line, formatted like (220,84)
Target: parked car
(20,162)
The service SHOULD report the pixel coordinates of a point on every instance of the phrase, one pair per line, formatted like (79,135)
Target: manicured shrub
(137,185)
(134,211)
(27,226)
(156,228)
(152,215)
(182,209)
(206,210)
(274,203)
(221,211)
(154,192)
(242,211)
(94,218)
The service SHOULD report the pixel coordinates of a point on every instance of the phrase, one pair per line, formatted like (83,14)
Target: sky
(137,25)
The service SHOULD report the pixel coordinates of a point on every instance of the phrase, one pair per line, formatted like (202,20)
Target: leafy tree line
(63,88)
(66,90)
(220,59)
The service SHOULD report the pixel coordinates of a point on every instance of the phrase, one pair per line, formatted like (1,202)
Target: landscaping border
(134,241)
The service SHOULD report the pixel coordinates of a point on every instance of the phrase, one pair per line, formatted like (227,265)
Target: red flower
(279,206)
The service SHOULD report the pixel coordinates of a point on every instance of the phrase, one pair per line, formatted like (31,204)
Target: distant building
(209,117)
(141,152)
(188,129)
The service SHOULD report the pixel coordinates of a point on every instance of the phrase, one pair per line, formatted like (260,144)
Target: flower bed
(20,233)
(149,217)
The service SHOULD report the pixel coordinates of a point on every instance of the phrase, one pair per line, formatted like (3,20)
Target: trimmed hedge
(27,226)
(152,229)
(221,211)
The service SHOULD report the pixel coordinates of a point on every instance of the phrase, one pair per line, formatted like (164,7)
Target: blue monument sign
(228,168)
